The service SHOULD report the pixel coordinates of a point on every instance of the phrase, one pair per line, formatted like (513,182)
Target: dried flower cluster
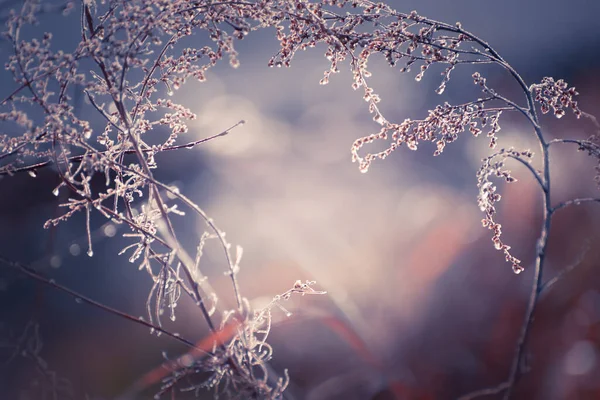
(493,166)
(442,126)
(556,96)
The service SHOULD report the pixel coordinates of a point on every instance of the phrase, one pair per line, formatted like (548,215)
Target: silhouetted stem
(84,299)
(485,392)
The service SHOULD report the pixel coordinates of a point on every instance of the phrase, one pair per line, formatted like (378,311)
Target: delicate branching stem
(544,182)
(541,247)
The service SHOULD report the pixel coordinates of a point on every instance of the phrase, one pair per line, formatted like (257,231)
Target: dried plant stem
(125,119)
(30,272)
(538,286)
(485,392)
(543,182)
(549,283)
(576,202)
(542,245)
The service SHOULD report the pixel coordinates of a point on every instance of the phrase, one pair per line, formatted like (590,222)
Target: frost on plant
(556,96)
(493,166)
(135,54)
(239,368)
(130,55)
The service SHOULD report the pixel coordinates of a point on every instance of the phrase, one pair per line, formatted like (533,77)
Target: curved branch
(535,173)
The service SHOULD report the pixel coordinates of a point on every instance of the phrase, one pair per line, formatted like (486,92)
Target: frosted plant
(131,45)
(135,50)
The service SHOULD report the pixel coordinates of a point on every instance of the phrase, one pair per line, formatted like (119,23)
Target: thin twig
(485,392)
(580,142)
(542,244)
(575,202)
(546,286)
(81,298)
(535,173)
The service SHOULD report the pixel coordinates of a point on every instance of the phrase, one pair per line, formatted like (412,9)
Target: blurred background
(419,304)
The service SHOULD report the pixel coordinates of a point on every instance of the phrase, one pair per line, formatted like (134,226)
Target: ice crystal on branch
(555,95)
(493,166)
(442,126)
